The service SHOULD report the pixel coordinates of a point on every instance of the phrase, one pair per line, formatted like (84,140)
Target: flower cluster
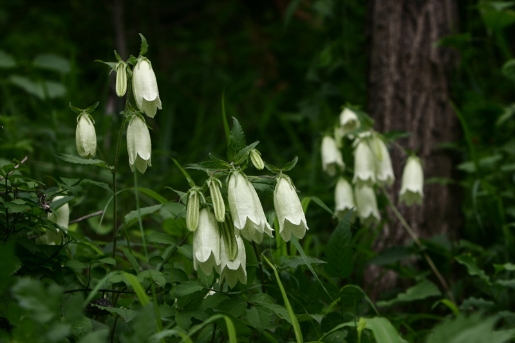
(372,168)
(146,96)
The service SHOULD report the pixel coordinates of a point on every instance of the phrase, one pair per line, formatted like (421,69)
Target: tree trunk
(409,91)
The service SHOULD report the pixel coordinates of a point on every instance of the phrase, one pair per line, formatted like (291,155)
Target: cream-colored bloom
(139,145)
(331,156)
(85,136)
(121,78)
(383,163)
(235,270)
(206,243)
(343,197)
(246,210)
(364,163)
(412,182)
(144,86)
(349,121)
(288,209)
(366,204)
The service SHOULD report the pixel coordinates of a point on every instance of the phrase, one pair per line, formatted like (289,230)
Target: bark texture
(409,91)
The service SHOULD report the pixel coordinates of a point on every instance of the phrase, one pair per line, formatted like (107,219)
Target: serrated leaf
(472,267)
(185,288)
(290,165)
(80,160)
(155,276)
(339,251)
(125,313)
(13,207)
(259,317)
(422,290)
(242,155)
(236,140)
(144,45)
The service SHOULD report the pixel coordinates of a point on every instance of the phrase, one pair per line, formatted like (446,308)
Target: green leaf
(112,65)
(243,154)
(259,317)
(154,275)
(231,332)
(383,330)
(125,313)
(144,45)
(140,292)
(290,165)
(296,261)
(351,295)
(98,184)
(339,250)
(160,237)
(108,260)
(472,267)
(468,329)
(185,173)
(6,60)
(80,160)
(236,140)
(52,62)
(95,337)
(185,288)
(15,207)
(132,216)
(422,290)
(9,263)
(41,302)
(319,203)
(132,260)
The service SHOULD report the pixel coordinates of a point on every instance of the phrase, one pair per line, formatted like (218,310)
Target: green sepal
(86,110)
(243,154)
(287,167)
(110,64)
(229,238)
(144,45)
(117,56)
(132,60)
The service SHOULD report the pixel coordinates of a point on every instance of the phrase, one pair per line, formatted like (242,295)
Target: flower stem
(113,171)
(421,247)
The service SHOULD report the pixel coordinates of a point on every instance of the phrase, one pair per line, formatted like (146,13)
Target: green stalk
(136,192)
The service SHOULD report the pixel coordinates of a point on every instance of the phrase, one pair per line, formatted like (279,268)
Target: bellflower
(289,209)
(144,86)
(344,198)
(331,156)
(383,163)
(412,182)
(349,121)
(234,270)
(85,136)
(139,145)
(364,163)
(246,209)
(366,204)
(61,217)
(206,243)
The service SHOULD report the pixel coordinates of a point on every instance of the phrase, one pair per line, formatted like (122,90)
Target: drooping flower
(233,270)
(412,182)
(364,162)
(85,136)
(214,185)
(343,197)
(139,145)
(349,121)
(246,209)
(144,86)
(331,156)
(121,78)
(61,217)
(383,163)
(192,210)
(255,158)
(289,209)
(366,204)
(206,243)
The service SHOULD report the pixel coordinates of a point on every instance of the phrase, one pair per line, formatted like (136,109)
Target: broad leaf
(420,291)
(339,250)
(236,140)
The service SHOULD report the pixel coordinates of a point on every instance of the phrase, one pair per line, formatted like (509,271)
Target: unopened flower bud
(121,79)
(139,145)
(85,136)
(257,161)
(192,210)
(229,239)
(217,199)
(144,86)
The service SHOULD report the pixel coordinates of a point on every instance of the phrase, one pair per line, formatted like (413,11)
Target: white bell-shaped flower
(288,209)
(85,136)
(412,182)
(139,145)
(61,217)
(331,156)
(349,121)
(364,163)
(144,86)
(234,270)
(383,163)
(343,197)
(246,210)
(366,204)
(206,243)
